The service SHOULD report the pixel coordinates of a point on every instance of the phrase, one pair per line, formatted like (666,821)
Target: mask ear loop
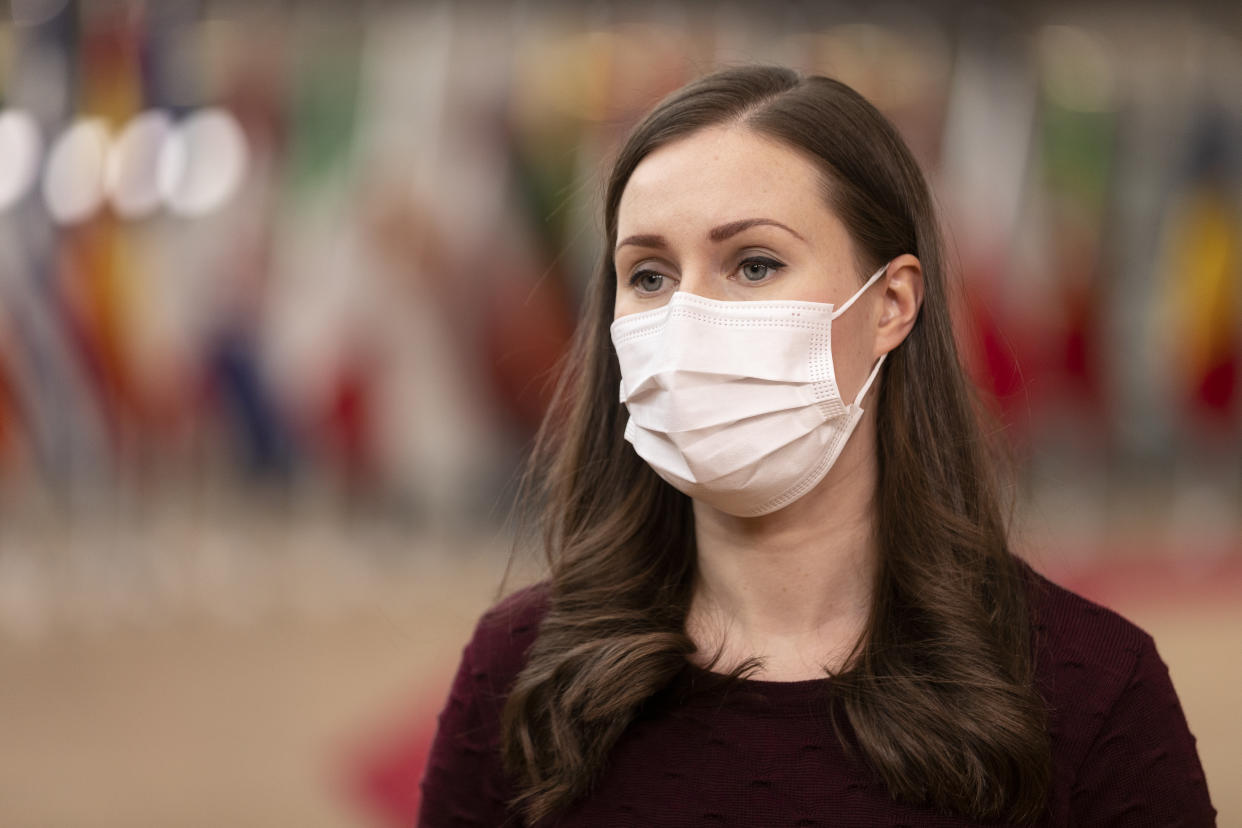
(862,392)
(874,278)
(875,371)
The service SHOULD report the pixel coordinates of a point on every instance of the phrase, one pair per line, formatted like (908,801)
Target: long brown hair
(939,691)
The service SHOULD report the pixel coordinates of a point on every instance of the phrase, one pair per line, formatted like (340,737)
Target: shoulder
(512,622)
(1119,736)
(1074,634)
(1085,655)
(503,636)
(464,779)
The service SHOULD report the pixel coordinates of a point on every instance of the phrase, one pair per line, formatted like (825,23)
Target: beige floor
(187,720)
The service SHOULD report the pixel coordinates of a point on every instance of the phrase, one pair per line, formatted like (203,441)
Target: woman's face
(726,213)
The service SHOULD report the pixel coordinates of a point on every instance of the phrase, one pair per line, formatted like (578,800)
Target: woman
(780,591)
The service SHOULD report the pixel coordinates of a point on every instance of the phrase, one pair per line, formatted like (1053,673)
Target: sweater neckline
(698,687)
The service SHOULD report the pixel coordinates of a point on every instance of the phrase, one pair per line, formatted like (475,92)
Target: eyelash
(639,274)
(771,264)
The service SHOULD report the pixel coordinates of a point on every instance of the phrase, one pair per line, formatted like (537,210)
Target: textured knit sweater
(763,753)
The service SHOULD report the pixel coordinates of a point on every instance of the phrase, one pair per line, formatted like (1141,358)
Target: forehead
(717,175)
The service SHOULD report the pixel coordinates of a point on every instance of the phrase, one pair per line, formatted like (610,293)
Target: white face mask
(736,403)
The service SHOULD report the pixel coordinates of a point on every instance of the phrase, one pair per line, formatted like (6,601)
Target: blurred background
(282,286)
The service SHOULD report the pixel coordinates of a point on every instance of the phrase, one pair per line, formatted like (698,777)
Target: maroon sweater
(763,753)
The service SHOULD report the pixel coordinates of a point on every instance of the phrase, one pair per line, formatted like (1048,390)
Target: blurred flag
(1202,279)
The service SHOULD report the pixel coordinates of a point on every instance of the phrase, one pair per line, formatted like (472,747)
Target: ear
(900,303)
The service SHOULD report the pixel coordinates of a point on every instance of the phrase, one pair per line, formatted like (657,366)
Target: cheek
(619,297)
(851,351)
(620,304)
(625,303)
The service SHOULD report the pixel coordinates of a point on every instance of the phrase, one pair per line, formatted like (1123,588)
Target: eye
(758,269)
(648,281)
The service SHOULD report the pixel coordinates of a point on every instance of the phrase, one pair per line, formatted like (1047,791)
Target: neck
(793,587)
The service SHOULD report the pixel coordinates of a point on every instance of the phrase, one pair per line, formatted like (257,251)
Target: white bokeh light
(132,173)
(20,147)
(202,163)
(73,181)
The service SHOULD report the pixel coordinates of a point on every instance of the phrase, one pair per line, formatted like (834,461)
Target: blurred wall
(328,254)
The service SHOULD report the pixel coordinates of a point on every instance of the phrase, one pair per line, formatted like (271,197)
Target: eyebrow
(716,234)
